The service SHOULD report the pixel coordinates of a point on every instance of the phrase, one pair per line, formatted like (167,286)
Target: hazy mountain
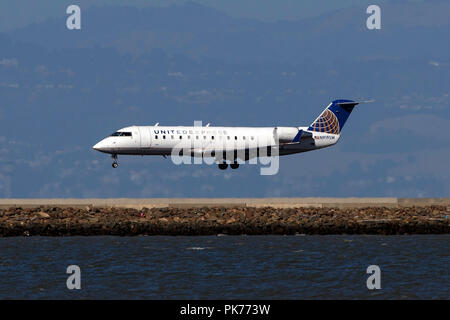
(203,32)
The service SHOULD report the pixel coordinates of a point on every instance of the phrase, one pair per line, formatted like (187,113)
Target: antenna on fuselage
(156,124)
(208,124)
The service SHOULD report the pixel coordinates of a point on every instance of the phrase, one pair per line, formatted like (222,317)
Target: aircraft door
(135,137)
(144,133)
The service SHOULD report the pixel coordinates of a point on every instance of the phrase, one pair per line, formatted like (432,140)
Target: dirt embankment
(56,221)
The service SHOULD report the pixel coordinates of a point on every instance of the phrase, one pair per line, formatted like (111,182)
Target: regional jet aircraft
(229,144)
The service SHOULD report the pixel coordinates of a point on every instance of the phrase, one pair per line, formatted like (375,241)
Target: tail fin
(333,118)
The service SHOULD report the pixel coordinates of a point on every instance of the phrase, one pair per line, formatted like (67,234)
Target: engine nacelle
(285,134)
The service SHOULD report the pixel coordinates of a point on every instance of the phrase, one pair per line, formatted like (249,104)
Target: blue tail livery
(333,118)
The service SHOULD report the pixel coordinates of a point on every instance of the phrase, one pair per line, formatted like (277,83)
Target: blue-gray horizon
(63,90)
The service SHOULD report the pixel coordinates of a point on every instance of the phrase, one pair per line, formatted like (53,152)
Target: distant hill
(203,32)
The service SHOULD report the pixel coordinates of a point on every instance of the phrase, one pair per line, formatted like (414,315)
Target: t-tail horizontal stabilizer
(354,103)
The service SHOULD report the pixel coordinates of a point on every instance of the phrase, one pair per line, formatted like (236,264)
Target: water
(226,267)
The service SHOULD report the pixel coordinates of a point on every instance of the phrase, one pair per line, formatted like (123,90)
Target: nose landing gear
(114,164)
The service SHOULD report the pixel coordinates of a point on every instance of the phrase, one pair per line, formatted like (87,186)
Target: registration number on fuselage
(324,137)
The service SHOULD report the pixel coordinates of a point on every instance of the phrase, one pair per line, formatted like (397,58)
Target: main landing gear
(114,164)
(224,165)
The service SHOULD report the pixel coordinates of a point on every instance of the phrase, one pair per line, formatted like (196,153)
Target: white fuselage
(231,145)
(201,141)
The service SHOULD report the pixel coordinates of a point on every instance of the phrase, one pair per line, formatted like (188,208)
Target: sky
(230,63)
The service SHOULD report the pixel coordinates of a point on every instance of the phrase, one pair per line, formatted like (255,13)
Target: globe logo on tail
(327,122)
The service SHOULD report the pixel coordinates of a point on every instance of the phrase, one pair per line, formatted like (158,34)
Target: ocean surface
(226,267)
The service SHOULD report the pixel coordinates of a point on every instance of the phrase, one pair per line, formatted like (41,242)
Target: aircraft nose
(98,146)
(104,145)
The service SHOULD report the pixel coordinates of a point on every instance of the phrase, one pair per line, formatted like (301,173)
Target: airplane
(229,144)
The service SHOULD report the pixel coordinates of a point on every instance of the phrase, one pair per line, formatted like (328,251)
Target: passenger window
(196,137)
(235,137)
(243,138)
(181,137)
(164,137)
(228,137)
(171,137)
(156,137)
(212,137)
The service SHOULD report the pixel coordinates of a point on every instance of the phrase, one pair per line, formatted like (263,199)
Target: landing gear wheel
(234,165)
(114,164)
(223,166)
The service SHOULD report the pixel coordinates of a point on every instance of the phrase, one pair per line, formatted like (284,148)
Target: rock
(43,214)
(204,221)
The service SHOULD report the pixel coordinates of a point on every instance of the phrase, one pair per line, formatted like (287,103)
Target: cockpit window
(121,134)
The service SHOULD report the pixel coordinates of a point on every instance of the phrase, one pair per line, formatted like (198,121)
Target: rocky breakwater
(56,221)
